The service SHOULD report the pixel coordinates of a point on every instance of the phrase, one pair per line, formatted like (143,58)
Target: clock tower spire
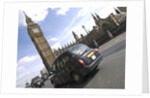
(40,42)
(28,19)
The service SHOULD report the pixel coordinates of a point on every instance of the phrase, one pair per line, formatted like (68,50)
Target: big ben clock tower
(40,42)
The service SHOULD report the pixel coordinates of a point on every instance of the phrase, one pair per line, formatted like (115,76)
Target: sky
(57,25)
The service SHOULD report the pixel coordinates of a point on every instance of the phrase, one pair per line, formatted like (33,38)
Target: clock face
(36,30)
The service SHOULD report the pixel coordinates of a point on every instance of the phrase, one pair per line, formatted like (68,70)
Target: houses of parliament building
(103,31)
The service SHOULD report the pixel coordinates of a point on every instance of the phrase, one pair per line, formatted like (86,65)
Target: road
(111,74)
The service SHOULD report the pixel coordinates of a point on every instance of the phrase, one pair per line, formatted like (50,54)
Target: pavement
(110,72)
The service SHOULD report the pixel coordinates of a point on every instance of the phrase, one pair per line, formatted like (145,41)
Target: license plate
(38,83)
(89,55)
(93,57)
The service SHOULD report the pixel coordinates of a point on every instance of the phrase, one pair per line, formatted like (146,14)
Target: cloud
(84,11)
(62,11)
(53,39)
(75,25)
(56,46)
(27,59)
(27,75)
(106,11)
(26,63)
(22,76)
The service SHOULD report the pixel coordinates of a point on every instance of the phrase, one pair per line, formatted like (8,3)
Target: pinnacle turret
(95,19)
(28,19)
(97,16)
(85,29)
(75,36)
(93,16)
(117,11)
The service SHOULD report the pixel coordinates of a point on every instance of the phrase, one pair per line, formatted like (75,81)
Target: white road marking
(117,39)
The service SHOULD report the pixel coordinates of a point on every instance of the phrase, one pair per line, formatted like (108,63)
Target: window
(61,64)
(65,60)
(57,65)
(54,67)
(79,49)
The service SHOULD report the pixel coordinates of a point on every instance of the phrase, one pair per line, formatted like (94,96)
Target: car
(36,82)
(74,64)
(27,85)
(44,77)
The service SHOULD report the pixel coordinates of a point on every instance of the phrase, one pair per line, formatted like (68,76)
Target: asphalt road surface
(110,72)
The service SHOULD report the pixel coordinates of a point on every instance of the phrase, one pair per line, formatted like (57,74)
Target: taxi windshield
(79,49)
